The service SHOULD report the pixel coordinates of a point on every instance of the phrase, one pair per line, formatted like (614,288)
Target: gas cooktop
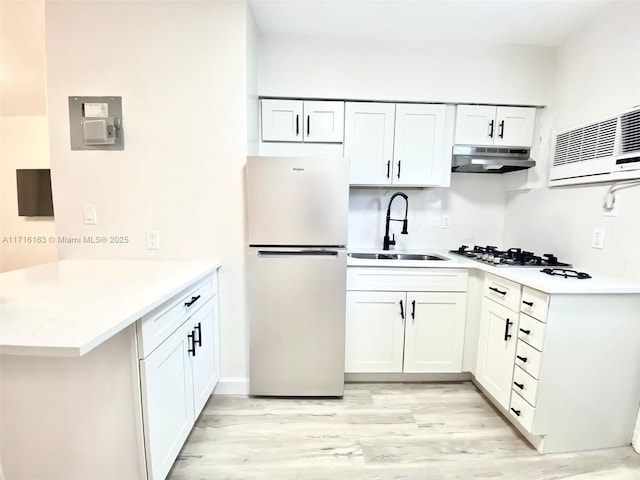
(513,257)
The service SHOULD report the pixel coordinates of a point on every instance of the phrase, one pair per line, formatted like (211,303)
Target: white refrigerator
(296,274)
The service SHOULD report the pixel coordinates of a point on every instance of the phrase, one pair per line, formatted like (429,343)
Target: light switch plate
(89,215)
(597,240)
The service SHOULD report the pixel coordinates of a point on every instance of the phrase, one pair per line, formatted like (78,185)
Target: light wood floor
(378,431)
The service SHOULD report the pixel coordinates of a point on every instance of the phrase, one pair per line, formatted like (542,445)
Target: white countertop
(69,307)
(530,276)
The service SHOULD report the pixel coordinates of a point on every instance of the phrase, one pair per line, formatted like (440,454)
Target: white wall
(24,241)
(311,67)
(597,74)
(474,204)
(24,135)
(181,69)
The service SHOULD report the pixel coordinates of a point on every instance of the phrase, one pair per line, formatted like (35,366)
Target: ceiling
(527,22)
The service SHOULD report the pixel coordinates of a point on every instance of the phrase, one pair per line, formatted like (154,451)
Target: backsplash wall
(475,204)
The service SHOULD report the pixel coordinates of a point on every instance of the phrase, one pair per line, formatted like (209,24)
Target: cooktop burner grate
(563,272)
(513,257)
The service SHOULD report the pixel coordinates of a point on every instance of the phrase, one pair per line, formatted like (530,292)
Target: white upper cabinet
(491,125)
(395,144)
(323,121)
(282,120)
(368,141)
(298,121)
(418,146)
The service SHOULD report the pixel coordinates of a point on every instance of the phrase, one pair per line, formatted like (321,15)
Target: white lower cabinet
(395,331)
(179,375)
(496,349)
(563,366)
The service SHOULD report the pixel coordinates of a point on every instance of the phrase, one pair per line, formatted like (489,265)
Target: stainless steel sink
(397,256)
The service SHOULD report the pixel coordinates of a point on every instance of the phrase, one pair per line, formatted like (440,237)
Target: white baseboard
(232,386)
(635,440)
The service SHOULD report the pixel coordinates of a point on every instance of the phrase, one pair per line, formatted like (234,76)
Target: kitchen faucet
(387,241)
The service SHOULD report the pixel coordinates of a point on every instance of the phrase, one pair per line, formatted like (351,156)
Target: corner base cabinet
(124,409)
(405,320)
(568,375)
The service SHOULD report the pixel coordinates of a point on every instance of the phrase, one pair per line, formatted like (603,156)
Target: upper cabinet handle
(398,168)
(297,125)
(308,124)
(401,310)
(501,134)
(491,129)
(388,168)
(413,310)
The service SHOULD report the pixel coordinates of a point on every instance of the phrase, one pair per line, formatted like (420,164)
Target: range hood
(470,159)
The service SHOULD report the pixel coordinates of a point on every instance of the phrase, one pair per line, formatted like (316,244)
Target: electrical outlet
(446,221)
(89,215)
(597,240)
(153,240)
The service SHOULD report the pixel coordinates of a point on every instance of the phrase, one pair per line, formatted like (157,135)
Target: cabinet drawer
(534,303)
(525,385)
(503,291)
(531,331)
(522,411)
(406,279)
(528,358)
(161,322)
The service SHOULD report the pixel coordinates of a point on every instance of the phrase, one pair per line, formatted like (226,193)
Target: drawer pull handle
(507,335)
(192,346)
(517,412)
(519,385)
(193,300)
(198,341)
(527,303)
(498,291)
(524,359)
(526,332)
(401,310)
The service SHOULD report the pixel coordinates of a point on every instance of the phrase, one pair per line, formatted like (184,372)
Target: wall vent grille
(601,151)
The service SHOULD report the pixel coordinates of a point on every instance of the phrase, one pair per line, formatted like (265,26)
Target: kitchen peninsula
(105,365)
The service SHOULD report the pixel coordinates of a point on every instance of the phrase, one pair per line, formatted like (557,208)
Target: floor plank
(387,431)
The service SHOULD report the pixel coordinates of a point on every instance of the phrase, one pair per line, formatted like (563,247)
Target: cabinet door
(496,350)
(514,126)
(375,331)
(205,361)
(434,334)
(167,401)
(418,146)
(368,142)
(475,125)
(323,121)
(281,120)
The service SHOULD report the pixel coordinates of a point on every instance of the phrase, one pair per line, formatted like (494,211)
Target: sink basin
(397,256)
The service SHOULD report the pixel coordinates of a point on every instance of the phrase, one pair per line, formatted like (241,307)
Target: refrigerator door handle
(297,253)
